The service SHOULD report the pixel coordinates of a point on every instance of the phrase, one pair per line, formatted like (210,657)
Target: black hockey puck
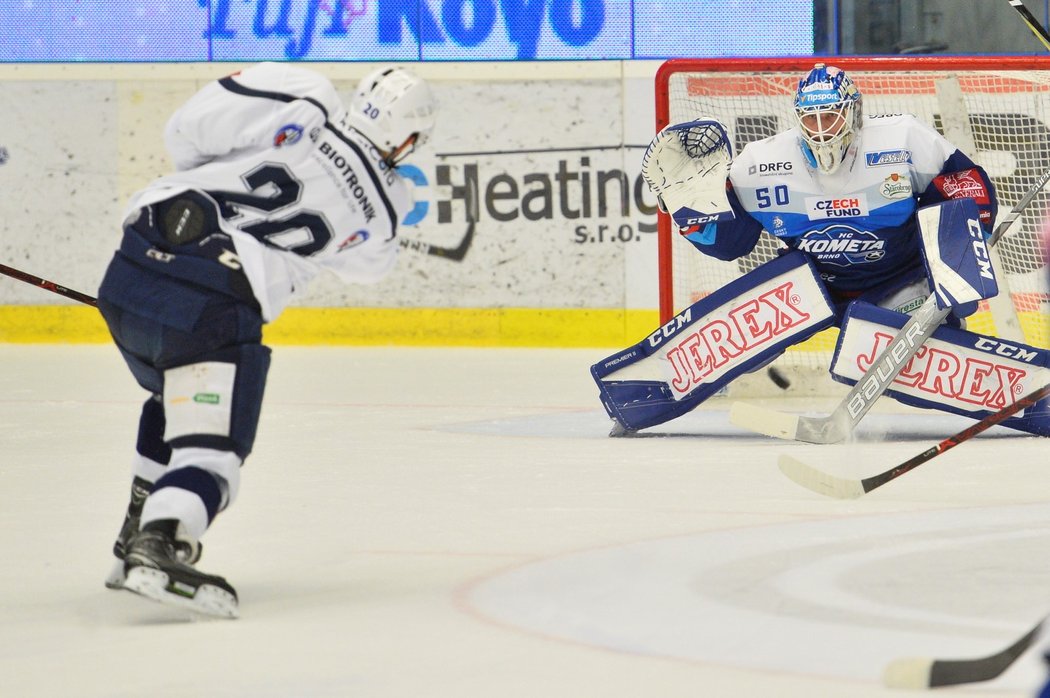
(778,378)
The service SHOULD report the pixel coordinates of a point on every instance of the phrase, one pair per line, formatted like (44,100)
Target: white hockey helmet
(827,106)
(395,110)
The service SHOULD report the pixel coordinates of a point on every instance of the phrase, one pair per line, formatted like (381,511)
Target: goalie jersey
(858,224)
(297,190)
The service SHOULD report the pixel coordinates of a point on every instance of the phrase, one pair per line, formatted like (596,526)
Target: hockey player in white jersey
(275,182)
(843,192)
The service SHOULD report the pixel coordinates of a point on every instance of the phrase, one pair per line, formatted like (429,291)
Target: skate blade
(208,600)
(115,580)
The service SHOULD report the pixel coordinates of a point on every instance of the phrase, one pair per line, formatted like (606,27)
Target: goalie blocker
(733,331)
(954,371)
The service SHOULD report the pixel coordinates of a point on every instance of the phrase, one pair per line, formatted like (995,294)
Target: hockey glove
(686,166)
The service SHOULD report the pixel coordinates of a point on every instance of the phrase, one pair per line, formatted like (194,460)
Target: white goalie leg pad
(737,329)
(956,256)
(954,370)
(198,399)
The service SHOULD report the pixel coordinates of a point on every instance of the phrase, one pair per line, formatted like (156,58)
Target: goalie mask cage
(994,109)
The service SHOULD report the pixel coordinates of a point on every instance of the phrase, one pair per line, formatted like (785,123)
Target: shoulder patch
(353,240)
(289,134)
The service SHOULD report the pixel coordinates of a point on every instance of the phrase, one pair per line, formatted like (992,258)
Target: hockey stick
(877,379)
(1033,23)
(455,254)
(843,488)
(923,672)
(49,285)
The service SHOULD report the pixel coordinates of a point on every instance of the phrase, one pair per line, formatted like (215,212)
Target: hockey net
(995,109)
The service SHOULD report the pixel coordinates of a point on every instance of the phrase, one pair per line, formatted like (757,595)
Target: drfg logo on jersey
(729,335)
(764,169)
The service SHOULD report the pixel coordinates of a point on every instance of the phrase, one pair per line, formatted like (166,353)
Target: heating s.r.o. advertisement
(528,196)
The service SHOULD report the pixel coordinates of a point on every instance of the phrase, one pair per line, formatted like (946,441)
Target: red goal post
(994,108)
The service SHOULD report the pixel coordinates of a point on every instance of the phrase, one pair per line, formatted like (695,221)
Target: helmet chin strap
(402,151)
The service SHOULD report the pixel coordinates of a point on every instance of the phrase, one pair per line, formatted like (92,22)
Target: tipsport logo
(599,206)
(465,23)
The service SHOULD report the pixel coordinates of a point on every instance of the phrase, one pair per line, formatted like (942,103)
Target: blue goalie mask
(827,106)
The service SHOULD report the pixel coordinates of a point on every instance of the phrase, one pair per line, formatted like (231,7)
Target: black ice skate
(184,552)
(152,568)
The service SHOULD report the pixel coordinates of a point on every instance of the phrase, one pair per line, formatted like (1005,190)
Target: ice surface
(438,522)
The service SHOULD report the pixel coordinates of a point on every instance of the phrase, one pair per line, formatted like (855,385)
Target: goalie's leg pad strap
(954,371)
(737,329)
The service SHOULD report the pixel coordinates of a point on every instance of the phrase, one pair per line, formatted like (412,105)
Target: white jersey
(298,190)
(858,223)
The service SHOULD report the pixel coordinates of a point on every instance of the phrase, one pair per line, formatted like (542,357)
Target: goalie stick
(877,379)
(844,488)
(1033,24)
(923,672)
(49,285)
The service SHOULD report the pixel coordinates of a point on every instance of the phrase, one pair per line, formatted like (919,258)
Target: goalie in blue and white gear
(840,188)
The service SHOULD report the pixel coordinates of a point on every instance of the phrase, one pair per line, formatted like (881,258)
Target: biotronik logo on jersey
(465,23)
(597,205)
(843,246)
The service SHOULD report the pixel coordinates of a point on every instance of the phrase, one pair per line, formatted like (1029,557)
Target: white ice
(456,523)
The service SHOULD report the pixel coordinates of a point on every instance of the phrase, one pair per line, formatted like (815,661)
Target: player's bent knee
(216,403)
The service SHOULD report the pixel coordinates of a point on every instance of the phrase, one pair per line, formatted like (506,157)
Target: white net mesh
(1001,118)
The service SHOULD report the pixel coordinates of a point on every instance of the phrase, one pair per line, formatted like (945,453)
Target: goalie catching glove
(686,166)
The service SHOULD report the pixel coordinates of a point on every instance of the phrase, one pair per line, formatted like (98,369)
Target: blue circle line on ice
(832,597)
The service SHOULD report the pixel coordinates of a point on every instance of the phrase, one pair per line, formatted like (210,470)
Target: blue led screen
(398,30)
